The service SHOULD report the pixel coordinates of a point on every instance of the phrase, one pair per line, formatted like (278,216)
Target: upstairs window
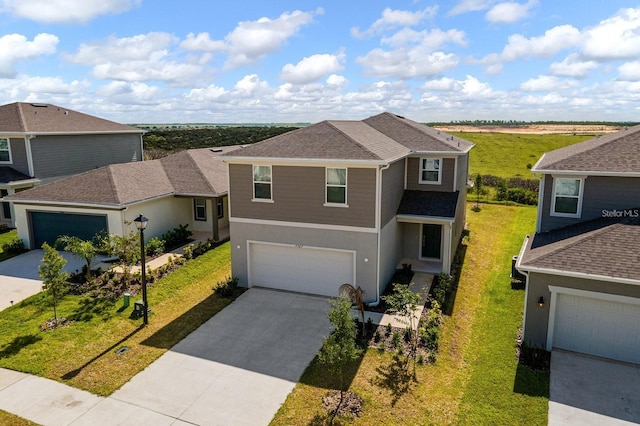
(567,197)
(200,209)
(430,170)
(262,182)
(5,154)
(336,192)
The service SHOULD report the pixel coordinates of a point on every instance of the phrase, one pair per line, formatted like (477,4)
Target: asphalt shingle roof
(8,174)
(429,203)
(617,152)
(605,246)
(22,117)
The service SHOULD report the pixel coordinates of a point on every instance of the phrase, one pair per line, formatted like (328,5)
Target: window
(430,170)
(336,186)
(220,208)
(262,182)
(567,197)
(200,209)
(5,154)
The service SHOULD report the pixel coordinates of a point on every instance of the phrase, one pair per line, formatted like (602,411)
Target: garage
(48,226)
(302,269)
(601,327)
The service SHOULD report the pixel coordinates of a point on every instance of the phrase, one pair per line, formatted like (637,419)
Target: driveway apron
(237,368)
(592,391)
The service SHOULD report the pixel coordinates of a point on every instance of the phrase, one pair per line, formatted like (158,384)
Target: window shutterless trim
(579,197)
(269,182)
(328,185)
(421,170)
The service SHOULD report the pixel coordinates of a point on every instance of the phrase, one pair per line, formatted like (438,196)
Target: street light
(141,224)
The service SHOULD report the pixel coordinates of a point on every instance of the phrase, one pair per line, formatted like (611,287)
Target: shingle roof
(606,247)
(617,152)
(22,117)
(429,203)
(198,172)
(385,137)
(8,175)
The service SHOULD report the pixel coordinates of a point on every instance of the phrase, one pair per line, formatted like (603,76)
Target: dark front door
(431,241)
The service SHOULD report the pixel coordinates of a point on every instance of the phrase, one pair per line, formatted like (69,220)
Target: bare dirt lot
(578,129)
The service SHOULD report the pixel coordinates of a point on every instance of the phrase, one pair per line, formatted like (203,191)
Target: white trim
(406,168)
(555,290)
(409,218)
(552,206)
(10,160)
(336,205)
(262,200)
(254,181)
(455,173)
(582,275)
(326,187)
(311,162)
(27,147)
(420,257)
(451,153)
(302,225)
(420,170)
(587,173)
(195,209)
(541,184)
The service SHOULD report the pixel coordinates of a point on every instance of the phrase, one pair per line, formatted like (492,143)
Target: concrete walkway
(588,391)
(236,369)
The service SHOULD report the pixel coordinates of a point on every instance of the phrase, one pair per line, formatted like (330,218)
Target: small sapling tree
(54,279)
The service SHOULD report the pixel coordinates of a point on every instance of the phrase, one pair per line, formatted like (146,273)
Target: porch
(425,266)
(203,236)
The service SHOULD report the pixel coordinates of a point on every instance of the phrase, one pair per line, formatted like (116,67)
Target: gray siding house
(346,202)
(43,142)
(582,266)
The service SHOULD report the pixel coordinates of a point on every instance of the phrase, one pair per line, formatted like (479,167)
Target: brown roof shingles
(22,117)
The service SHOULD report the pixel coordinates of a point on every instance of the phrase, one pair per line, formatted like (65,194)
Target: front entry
(431,241)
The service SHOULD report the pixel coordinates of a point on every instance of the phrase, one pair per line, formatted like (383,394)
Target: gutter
(379,229)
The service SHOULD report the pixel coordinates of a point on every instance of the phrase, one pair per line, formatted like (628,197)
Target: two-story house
(582,266)
(346,202)
(43,142)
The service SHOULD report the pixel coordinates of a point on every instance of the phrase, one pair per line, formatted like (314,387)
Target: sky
(257,61)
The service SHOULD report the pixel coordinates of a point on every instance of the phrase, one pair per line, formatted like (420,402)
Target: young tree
(405,303)
(339,348)
(126,248)
(478,188)
(54,279)
(356,295)
(84,250)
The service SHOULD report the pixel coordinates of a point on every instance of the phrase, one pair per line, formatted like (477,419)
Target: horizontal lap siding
(19,156)
(299,196)
(392,190)
(67,155)
(446,181)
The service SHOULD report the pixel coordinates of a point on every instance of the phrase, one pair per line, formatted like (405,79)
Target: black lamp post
(141,224)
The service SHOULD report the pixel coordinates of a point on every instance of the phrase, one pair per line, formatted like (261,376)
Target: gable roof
(605,247)
(198,172)
(614,153)
(379,139)
(36,118)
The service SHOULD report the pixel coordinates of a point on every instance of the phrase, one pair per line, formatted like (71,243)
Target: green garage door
(47,227)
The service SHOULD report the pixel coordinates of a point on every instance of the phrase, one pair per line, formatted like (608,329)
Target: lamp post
(141,224)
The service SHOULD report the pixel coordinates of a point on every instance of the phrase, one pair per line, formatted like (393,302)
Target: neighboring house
(346,202)
(582,266)
(44,142)
(189,187)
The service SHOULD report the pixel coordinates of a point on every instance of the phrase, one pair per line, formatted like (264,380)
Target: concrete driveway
(592,391)
(19,275)
(236,369)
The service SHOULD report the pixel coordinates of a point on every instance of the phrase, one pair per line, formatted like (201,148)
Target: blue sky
(246,61)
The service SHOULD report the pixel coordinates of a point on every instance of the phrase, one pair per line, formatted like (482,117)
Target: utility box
(126,300)
(138,308)
(515,274)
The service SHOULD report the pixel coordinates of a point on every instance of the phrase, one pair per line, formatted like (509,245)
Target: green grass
(476,379)
(4,239)
(8,419)
(83,354)
(507,155)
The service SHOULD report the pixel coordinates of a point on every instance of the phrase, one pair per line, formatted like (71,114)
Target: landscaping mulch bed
(351,403)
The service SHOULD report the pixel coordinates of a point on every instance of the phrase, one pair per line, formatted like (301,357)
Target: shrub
(4,228)
(441,287)
(501,190)
(527,184)
(188,251)
(226,288)
(14,246)
(522,196)
(429,330)
(177,236)
(154,247)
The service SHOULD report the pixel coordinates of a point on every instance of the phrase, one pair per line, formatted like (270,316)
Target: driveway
(19,275)
(592,391)
(236,369)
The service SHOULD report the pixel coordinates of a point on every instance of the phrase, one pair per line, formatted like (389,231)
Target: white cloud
(15,48)
(509,12)
(65,11)
(470,6)
(545,83)
(312,68)
(615,38)
(337,80)
(211,93)
(202,42)
(395,18)
(129,93)
(138,47)
(572,66)
(444,84)
(407,63)
(250,86)
(629,71)
(431,39)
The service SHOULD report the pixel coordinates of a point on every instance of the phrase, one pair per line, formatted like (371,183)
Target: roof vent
(215,149)
(438,131)
(39,105)
(625,128)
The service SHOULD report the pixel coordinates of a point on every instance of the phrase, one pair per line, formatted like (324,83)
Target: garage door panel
(48,226)
(605,328)
(302,269)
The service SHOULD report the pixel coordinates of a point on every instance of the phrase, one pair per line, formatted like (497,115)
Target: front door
(431,241)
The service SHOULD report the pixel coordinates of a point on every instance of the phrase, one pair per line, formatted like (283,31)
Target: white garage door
(605,328)
(302,269)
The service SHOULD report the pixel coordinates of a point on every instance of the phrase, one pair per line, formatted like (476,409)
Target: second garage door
(48,226)
(302,269)
(605,328)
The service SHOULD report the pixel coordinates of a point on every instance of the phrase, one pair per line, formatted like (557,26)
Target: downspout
(541,183)
(379,229)
(29,155)
(526,284)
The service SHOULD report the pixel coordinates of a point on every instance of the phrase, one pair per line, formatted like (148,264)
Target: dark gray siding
(600,193)
(19,155)
(446,181)
(392,190)
(299,195)
(67,155)
(462,172)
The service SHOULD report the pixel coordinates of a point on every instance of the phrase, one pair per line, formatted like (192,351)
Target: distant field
(507,155)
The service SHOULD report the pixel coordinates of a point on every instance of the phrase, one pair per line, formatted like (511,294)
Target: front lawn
(5,238)
(84,355)
(476,378)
